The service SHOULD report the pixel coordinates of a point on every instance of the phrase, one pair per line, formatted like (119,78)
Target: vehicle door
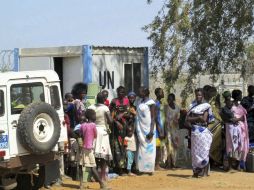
(4,134)
(21,93)
(56,102)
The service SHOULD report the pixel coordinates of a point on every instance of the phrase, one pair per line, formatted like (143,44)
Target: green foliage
(250,52)
(248,64)
(199,36)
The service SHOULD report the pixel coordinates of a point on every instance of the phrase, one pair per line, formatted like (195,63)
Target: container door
(4,134)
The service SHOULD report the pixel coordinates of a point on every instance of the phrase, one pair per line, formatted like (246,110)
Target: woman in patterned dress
(199,116)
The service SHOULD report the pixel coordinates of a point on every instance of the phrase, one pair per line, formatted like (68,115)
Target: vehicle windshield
(24,94)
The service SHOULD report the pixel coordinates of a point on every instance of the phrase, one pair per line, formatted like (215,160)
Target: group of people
(125,134)
(220,135)
(134,134)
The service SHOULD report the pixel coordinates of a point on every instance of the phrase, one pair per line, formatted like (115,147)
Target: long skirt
(146,151)
(233,141)
(102,145)
(172,145)
(251,131)
(201,139)
(119,152)
(216,146)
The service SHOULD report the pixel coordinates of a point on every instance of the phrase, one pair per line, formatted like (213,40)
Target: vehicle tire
(38,181)
(39,128)
(8,182)
(25,182)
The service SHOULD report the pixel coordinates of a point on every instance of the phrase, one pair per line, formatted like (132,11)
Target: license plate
(3,141)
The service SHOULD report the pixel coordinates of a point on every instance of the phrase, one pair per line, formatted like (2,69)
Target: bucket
(87,175)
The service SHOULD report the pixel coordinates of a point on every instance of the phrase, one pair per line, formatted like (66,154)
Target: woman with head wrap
(132,109)
(132,101)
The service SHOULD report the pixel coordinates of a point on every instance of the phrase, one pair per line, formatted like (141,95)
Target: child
(77,148)
(130,144)
(132,107)
(105,95)
(66,118)
(69,97)
(89,134)
(70,109)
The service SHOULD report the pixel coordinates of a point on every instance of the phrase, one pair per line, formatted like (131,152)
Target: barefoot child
(89,134)
(130,143)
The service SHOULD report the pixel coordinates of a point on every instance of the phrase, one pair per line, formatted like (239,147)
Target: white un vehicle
(31,127)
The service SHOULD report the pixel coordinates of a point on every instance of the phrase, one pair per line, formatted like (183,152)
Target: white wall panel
(113,63)
(35,63)
(72,72)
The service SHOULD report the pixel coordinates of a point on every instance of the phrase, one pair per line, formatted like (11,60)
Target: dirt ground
(179,179)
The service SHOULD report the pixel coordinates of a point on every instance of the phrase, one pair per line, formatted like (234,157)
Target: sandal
(131,174)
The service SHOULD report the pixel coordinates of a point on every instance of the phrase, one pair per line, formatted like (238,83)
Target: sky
(52,23)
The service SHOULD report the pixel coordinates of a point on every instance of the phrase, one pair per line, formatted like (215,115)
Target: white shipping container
(109,67)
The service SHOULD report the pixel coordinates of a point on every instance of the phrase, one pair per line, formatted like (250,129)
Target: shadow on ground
(179,175)
(70,186)
(73,186)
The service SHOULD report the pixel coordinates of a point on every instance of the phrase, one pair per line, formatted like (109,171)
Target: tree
(199,36)
(248,66)
(6,60)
